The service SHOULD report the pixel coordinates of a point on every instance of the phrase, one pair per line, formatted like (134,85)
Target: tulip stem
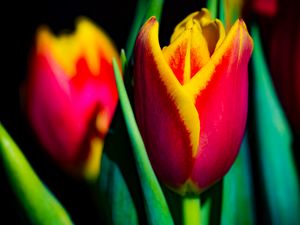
(144,10)
(191,210)
(212,6)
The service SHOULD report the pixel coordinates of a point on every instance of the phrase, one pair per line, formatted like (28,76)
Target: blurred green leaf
(115,195)
(230,11)
(279,176)
(205,212)
(38,202)
(212,6)
(237,202)
(144,10)
(156,206)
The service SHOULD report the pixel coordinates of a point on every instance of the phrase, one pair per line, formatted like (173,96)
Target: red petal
(166,137)
(222,108)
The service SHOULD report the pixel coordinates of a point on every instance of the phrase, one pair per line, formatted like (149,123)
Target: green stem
(191,210)
(212,6)
(222,13)
(144,10)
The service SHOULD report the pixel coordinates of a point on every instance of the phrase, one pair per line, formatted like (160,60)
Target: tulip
(71,95)
(191,99)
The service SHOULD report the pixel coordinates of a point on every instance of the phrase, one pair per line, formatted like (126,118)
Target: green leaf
(230,11)
(38,202)
(212,6)
(238,191)
(144,10)
(211,201)
(115,195)
(154,9)
(156,206)
(205,212)
(191,210)
(279,176)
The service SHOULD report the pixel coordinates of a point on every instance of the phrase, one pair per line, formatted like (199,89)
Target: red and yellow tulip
(71,95)
(191,99)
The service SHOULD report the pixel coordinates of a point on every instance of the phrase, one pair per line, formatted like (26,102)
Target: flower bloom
(71,95)
(191,99)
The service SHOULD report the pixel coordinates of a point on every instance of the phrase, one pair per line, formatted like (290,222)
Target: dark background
(19,21)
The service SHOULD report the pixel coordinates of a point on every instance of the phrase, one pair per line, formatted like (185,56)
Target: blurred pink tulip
(71,95)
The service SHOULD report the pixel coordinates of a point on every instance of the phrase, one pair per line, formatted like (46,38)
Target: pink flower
(71,95)
(191,99)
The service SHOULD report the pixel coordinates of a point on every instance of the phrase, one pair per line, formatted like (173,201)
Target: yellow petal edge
(85,42)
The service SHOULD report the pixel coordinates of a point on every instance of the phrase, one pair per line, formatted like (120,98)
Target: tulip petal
(72,95)
(221,92)
(85,43)
(49,118)
(189,51)
(177,56)
(158,92)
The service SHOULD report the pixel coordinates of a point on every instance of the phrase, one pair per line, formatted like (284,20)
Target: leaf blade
(156,206)
(39,203)
(279,174)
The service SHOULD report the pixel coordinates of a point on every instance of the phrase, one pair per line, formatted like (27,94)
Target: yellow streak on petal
(187,63)
(182,99)
(102,122)
(171,52)
(93,162)
(88,41)
(201,79)
(202,35)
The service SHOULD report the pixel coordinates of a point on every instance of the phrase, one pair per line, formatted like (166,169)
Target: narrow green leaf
(281,184)
(114,192)
(156,206)
(229,12)
(39,203)
(123,60)
(222,13)
(211,204)
(238,191)
(154,9)
(212,6)
(205,212)
(144,10)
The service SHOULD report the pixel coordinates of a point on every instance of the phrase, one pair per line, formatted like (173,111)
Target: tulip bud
(191,99)
(71,95)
